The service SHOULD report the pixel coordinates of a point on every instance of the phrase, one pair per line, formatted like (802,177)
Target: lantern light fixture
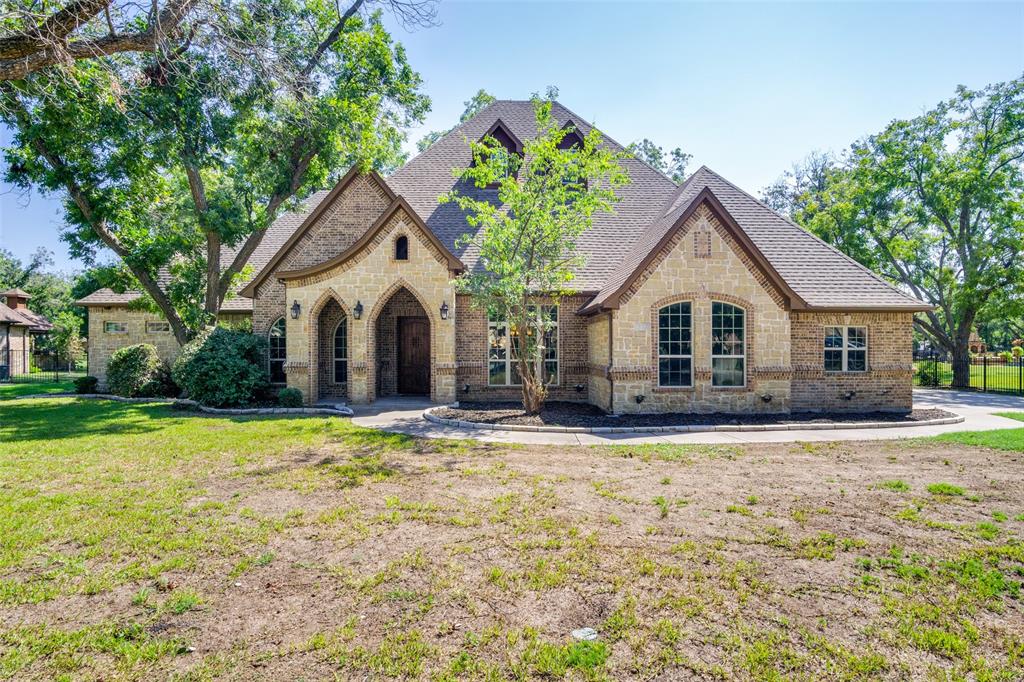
(444,310)
(296,309)
(357,312)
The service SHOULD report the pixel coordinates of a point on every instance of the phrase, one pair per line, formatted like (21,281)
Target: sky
(747,88)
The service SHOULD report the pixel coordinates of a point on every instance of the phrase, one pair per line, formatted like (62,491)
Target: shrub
(927,374)
(135,371)
(86,384)
(289,397)
(1006,356)
(222,367)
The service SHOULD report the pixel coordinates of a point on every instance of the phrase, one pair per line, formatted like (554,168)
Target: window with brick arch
(277,352)
(675,345)
(341,352)
(728,345)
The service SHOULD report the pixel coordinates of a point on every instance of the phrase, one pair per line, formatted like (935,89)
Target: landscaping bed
(584,415)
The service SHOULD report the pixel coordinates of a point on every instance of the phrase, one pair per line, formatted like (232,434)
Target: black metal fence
(36,366)
(993,374)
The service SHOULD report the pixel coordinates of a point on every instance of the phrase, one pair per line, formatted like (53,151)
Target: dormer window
(572,139)
(402,248)
(508,153)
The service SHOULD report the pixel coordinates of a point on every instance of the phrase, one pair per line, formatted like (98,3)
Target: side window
(341,352)
(675,345)
(402,248)
(115,327)
(277,352)
(728,345)
(158,327)
(846,349)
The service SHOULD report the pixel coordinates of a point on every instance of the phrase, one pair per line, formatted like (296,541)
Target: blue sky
(747,88)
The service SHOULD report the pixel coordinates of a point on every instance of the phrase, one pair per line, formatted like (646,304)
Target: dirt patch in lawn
(558,413)
(814,561)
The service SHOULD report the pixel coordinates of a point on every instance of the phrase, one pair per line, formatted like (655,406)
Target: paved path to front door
(404,415)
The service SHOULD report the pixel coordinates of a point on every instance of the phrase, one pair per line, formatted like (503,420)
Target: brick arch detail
(329,294)
(371,335)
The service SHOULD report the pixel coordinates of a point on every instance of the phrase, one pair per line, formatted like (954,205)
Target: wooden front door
(413,356)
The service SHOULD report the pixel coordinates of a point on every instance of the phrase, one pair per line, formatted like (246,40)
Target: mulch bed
(586,415)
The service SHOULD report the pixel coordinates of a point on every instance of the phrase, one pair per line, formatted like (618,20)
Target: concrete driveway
(404,415)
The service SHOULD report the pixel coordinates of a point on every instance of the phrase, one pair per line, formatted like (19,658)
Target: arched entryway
(402,346)
(332,351)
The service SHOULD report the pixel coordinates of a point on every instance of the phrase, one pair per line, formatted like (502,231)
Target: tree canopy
(934,203)
(474,105)
(672,164)
(527,231)
(179,160)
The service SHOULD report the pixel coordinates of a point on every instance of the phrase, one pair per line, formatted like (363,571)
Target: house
(692,298)
(18,328)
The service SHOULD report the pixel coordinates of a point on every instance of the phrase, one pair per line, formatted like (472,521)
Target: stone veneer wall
(599,360)
(15,348)
(330,316)
(401,304)
(888,383)
(103,344)
(472,346)
(701,264)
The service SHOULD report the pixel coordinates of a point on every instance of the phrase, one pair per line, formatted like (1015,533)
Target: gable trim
(499,124)
(249,290)
(454,264)
(705,197)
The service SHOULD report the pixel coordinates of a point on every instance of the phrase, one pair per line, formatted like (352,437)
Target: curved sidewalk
(405,416)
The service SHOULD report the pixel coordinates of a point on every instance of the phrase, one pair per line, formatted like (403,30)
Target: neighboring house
(692,298)
(18,327)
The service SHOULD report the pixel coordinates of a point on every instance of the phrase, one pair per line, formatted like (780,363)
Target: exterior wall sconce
(444,310)
(579,388)
(296,309)
(766,397)
(357,312)
(465,388)
(639,399)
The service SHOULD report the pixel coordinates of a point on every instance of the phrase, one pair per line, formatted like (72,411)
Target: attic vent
(702,240)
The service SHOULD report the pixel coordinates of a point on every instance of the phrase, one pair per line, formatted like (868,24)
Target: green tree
(50,291)
(527,238)
(474,105)
(934,203)
(66,338)
(673,164)
(178,161)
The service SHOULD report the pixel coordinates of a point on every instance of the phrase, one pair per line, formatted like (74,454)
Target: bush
(289,397)
(1006,356)
(137,371)
(223,368)
(86,384)
(927,374)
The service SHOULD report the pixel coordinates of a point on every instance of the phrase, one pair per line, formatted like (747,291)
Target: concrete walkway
(403,415)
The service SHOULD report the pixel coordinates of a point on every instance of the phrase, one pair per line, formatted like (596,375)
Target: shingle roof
(24,318)
(20,293)
(10,316)
(617,242)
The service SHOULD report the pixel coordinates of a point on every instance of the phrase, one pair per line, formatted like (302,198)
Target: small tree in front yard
(527,238)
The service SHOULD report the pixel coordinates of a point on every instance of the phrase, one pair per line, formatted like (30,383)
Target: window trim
(107,330)
(845,349)
(165,327)
(334,352)
(715,356)
(509,361)
(271,360)
(657,347)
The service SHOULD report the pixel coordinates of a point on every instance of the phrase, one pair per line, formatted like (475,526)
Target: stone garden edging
(335,411)
(684,428)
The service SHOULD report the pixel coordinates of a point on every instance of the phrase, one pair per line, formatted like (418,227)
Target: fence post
(1020,374)
(984,372)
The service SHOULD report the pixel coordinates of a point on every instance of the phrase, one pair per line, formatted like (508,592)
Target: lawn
(996,376)
(19,389)
(140,542)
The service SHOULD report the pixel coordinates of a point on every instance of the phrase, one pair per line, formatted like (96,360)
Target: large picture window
(675,345)
(728,345)
(846,349)
(277,352)
(503,348)
(341,352)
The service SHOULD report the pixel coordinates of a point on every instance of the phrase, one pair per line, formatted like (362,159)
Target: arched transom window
(728,345)
(277,352)
(341,352)
(675,345)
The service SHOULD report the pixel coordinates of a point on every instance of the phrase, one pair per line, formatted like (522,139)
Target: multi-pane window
(341,352)
(277,352)
(503,347)
(846,349)
(115,327)
(675,345)
(158,327)
(728,346)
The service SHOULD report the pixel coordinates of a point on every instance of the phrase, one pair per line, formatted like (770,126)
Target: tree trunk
(961,357)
